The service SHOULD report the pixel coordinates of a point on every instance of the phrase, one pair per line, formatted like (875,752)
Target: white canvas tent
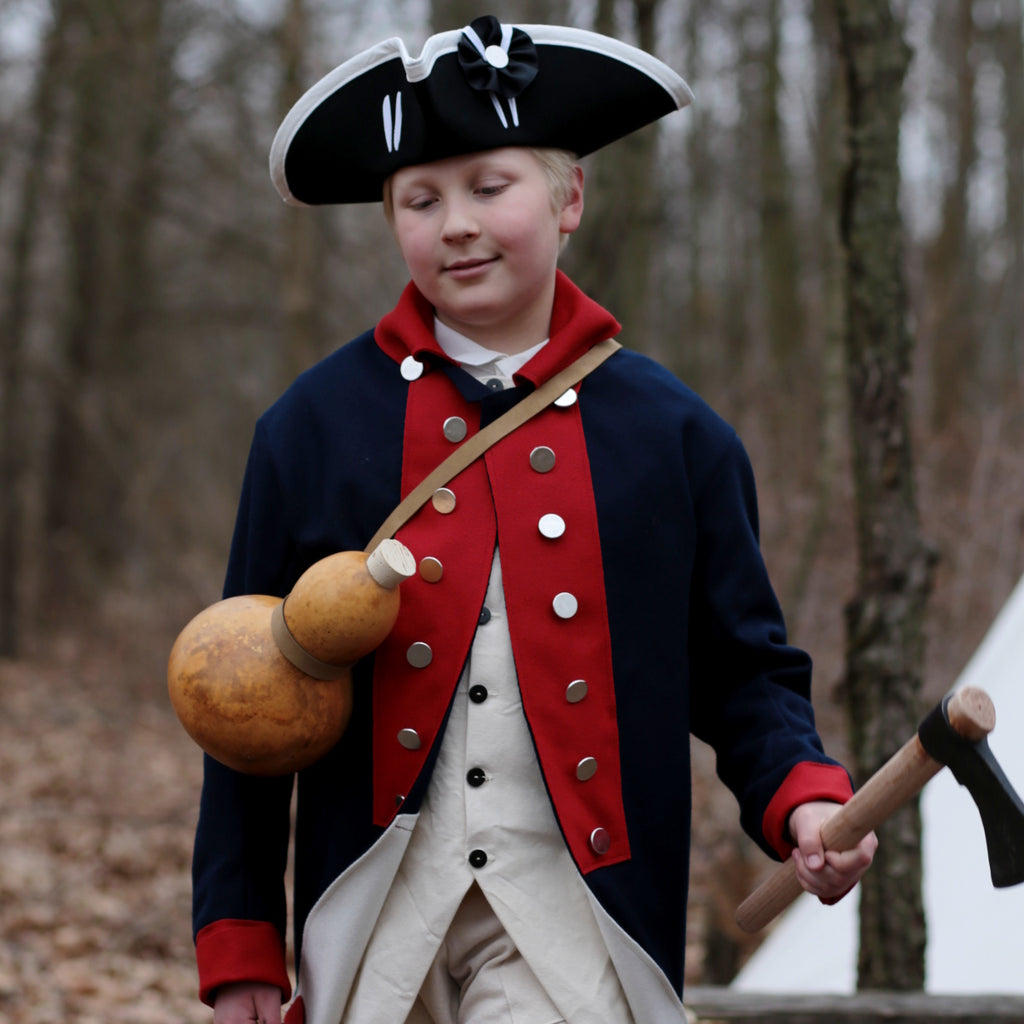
(975,932)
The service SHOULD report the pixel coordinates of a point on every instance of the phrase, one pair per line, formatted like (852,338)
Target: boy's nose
(459,224)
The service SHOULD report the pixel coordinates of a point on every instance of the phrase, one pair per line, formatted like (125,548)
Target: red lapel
(503,495)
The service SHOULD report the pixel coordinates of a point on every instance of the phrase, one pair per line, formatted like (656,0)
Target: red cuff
(232,950)
(806,781)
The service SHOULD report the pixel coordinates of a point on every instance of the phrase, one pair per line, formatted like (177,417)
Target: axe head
(974,766)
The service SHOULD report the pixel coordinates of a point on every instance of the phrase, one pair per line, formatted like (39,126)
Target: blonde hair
(558,166)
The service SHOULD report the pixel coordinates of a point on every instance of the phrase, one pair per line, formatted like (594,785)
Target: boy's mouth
(468,268)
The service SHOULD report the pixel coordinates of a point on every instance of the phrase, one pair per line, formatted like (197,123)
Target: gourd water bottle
(264,685)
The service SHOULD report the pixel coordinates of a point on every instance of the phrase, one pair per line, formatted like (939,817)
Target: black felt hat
(482,87)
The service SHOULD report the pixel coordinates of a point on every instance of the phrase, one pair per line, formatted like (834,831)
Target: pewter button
(576,691)
(565,605)
(412,368)
(455,429)
(409,738)
(431,569)
(419,655)
(542,459)
(485,616)
(566,400)
(443,500)
(551,526)
(586,769)
(600,841)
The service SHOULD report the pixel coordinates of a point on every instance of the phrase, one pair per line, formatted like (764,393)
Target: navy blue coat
(697,639)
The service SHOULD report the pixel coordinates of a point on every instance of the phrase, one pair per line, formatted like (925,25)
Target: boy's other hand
(831,874)
(247,1003)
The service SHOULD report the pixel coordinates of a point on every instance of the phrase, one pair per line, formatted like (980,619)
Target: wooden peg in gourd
(265,685)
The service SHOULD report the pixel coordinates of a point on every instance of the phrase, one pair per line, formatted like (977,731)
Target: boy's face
(480,235)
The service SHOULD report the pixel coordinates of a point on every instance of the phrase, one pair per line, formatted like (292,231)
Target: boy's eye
(492,189)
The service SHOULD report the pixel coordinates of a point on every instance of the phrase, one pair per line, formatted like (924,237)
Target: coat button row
(443,500)
(600,841)
(576,691)
(431,569)
(410,739)
(542,459)
(454,429)
(419,655)
(551,526)
(412,368)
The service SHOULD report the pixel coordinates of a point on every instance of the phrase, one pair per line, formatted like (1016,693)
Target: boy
(502,833)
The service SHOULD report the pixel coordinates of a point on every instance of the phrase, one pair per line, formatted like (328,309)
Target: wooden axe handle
(897,781)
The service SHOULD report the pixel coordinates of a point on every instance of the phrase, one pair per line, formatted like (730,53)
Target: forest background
(155,296)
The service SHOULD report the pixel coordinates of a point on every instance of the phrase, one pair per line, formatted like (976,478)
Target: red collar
(577,324)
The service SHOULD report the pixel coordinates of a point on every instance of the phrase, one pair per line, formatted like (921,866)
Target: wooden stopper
(390,563)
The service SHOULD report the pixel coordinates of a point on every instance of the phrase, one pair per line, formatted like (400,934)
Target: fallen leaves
(97,808)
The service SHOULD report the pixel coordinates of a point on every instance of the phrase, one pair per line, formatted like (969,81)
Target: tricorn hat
(482,87)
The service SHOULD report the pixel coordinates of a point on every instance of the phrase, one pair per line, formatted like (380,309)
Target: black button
(476,776)
(485,615)
(478,694)
(495,385)
(477,858)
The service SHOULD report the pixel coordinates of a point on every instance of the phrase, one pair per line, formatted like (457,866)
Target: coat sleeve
(750,696)
(241,846)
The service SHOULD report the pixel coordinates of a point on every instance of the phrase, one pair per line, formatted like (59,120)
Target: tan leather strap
(297,654)
(469,452)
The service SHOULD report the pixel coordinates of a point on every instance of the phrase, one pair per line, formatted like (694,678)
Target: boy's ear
(572,212)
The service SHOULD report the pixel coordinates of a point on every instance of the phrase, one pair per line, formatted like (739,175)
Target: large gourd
(265,685)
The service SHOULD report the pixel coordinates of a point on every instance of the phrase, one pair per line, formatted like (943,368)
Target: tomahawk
(953,735)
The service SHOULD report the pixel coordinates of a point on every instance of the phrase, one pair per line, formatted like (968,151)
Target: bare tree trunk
(1009,365)
(115,89)
(13,328)
(299,254)
(780,260)
(696,198)
(612,257)
(885,648)
(832,419)
(146,76)
(72,479)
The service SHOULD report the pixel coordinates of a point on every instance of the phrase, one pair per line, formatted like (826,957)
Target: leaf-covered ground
(97,806)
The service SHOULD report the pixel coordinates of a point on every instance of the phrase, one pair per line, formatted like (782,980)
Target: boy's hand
(247,1003)
(831,874)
